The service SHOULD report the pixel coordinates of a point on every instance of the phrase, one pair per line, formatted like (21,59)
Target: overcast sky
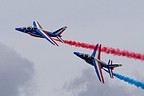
(34,64)
(16,73)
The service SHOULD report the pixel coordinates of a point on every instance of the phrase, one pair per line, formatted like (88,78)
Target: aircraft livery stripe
(100,71)
(111,72)
(49,37)
(39,25)
(96,69)
(46,35)
(99,65)
(60,39)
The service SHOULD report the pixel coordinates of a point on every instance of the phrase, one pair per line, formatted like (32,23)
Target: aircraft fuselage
(88,58)
(33,31)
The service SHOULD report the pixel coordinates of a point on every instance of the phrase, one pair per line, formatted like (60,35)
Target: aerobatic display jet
(97,63)
(38,31)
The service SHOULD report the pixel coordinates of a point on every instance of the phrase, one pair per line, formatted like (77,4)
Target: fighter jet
(38,31)
(97,63)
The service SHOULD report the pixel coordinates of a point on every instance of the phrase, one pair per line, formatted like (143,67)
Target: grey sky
(112,23)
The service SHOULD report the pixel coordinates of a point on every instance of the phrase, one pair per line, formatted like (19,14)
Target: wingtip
(102,82)
(34,21)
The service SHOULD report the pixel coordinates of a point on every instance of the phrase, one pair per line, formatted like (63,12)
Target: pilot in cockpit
(29,28)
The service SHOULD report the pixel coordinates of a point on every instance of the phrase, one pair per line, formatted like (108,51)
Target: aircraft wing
(95,49)
(37,25)
(98,70)
(43,33)
(99,52)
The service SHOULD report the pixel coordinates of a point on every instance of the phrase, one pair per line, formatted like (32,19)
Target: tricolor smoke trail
(107,50)
(129,80)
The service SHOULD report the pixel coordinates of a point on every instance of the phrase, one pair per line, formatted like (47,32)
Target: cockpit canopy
(29,28)
(85,55)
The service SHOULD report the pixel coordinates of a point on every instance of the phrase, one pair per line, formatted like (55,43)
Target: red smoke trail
(107,50)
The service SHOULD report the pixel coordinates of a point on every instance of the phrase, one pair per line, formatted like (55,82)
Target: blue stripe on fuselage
(34,32)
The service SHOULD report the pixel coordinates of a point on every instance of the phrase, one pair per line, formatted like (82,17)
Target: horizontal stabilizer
(110,69)
(60,31)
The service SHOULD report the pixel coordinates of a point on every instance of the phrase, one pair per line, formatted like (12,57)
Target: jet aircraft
(38,31)
(97,63)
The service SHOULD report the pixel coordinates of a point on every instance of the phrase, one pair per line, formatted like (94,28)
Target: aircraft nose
(19,29)
(120,64)
(65,27)
(77,53)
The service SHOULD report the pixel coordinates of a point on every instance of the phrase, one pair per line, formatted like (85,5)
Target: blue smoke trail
(128,80)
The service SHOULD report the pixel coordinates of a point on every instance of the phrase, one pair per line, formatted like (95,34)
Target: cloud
(88,85)
(16,73)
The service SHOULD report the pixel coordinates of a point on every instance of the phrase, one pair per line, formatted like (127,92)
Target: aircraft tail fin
(110,69)
(60,31)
